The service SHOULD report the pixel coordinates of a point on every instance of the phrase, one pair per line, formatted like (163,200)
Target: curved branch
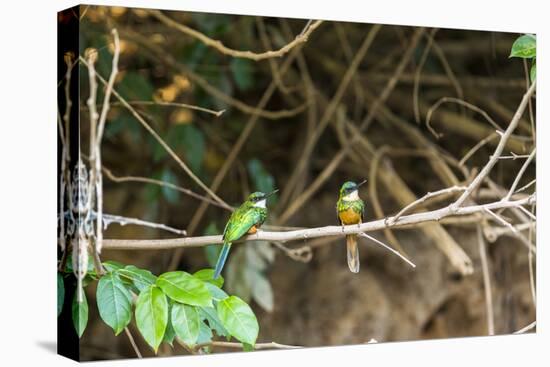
(218,45)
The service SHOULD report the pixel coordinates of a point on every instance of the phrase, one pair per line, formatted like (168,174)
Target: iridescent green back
(242,219)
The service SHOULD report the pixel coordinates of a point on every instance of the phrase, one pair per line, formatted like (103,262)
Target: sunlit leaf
(111,265)
(152,315)
(141,278)
(210,315)
(533,73)
(524,47)
(185,288)
(186,323)
(207,275)
(237,318)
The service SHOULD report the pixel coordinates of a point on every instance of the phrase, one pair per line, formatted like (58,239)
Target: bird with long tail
(350,209)
(245,220)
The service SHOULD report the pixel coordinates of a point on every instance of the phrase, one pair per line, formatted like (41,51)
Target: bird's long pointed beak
(362,182)
(271,193)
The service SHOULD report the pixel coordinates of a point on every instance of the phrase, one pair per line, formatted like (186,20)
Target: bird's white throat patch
(260,204)
(354,195)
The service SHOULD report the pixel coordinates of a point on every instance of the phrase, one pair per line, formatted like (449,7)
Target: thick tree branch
(431,216)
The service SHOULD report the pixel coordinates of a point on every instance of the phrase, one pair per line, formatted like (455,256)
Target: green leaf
(217,293)
(140,277)
(185,288)
(237,317)
(248,347)
(60,293)
(80,314)
(135,86)
(114,302)
(152,315)
(210,315)
(524,47)
(189,138)
(207,275)
(186,322)
(170,333)
(242,72)
(205,334)
(112,265)
(533,73)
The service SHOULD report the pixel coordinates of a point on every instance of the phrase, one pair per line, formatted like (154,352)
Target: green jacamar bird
(245,220)
(350,209)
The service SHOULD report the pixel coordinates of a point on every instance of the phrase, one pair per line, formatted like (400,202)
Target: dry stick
(334,163)
(416,85)
(486,282)
(100,129)
(373,195)
(448,70)
(498,151)
(476,147)
(303,234)
(218,45)
(520,175)
(272,345)
(153,181)
(462,103)
(160,141)
(526,186)
(327,115)
(172,104)
(514,231)
(531,272)
(111,218)
(526,328)
(133,342)
(218,179)
(388,248)
(426,197)
(531,117)
(158,54)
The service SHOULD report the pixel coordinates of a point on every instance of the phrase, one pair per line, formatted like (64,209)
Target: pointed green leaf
(210,315)
(170,333)
(185,288)
(247,347)
(140,277)
(60,293)
(152,315)
(205,334)
(533,73)
(114,302)
(80,314)
(207,275)
(237,317)
(524,47)
(242,72)
(111,265)
(186,322)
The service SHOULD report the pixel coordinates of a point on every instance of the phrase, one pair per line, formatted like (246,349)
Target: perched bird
(245,220)
(350,209)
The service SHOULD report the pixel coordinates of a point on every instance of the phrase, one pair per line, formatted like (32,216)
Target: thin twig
(421,63)
(498,151)
(172,104)
(257,346)
(520,175)
(133,342)
(476,147)
(526,328)
(218,45)
(388,248)
(486,282)
(110,218)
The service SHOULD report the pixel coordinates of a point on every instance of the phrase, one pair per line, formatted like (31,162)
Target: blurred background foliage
(318,302)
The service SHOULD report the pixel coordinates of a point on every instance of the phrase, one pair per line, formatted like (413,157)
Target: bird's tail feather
(221,259)
(353,253)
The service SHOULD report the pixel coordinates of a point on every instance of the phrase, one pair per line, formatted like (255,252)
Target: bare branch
(498,151)
(110,218)
(388,248)
(526,328)
(218,45)
(305,234)
(520,175)
(486,282)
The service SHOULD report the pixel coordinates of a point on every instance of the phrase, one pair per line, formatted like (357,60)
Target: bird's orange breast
(349,216)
